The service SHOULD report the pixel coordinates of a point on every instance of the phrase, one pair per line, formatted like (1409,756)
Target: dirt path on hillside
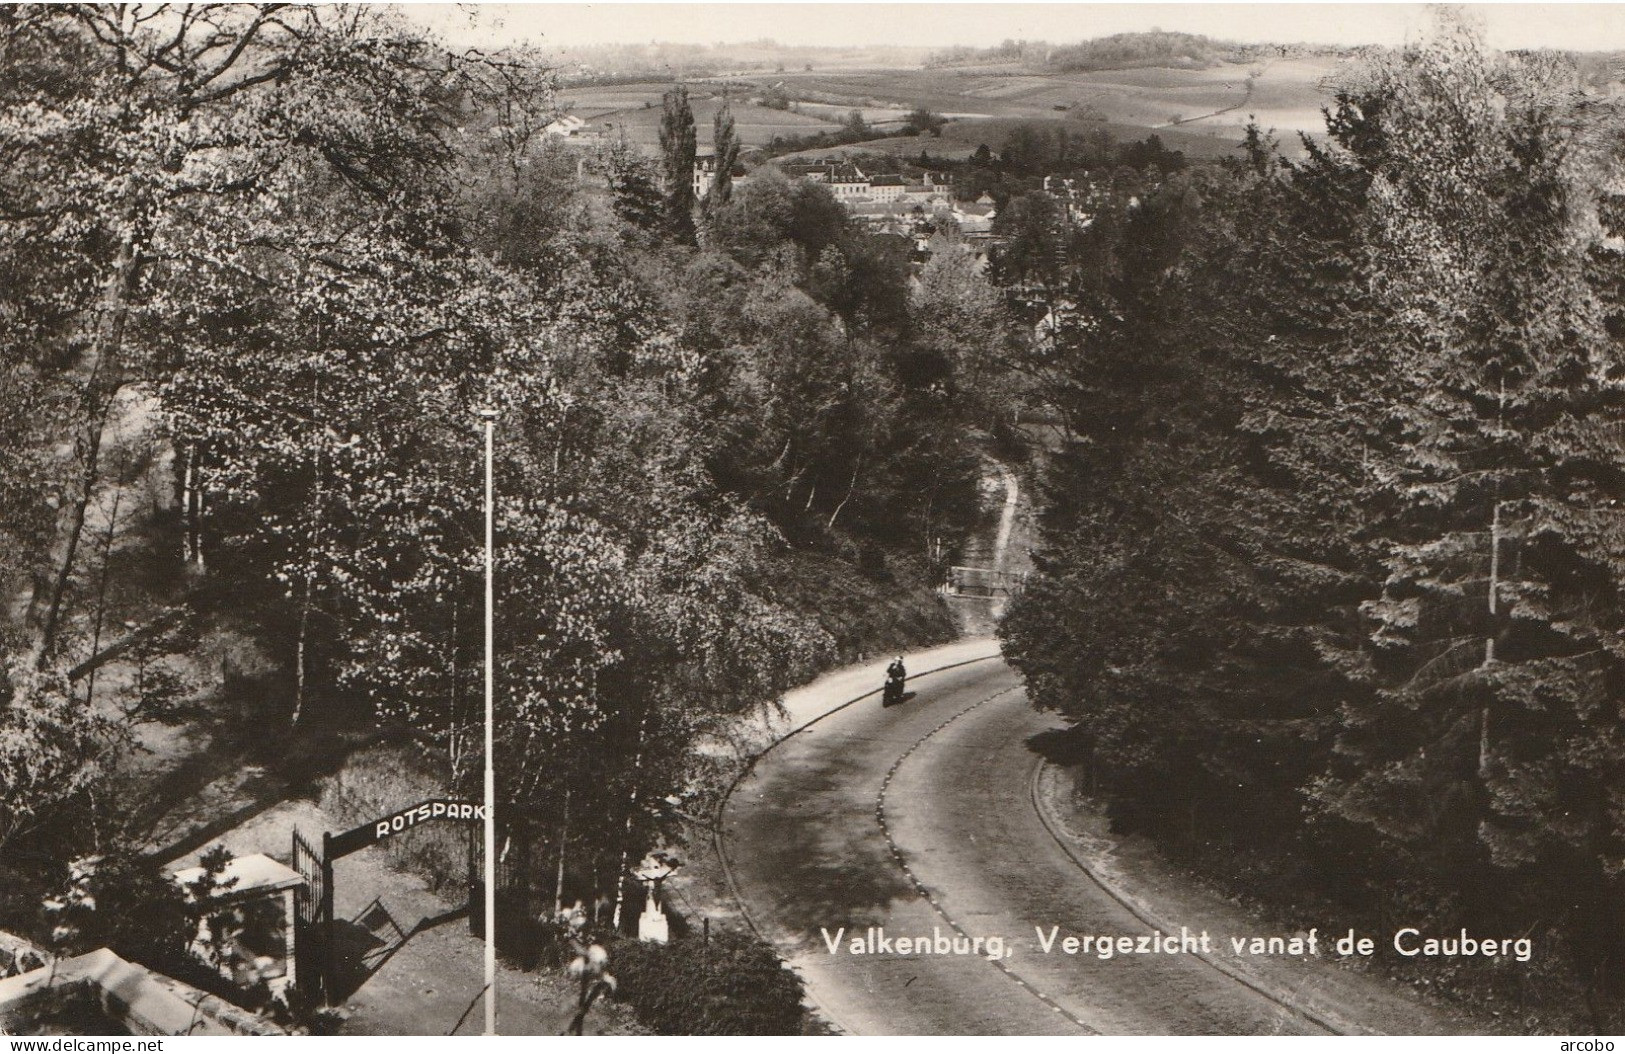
(1246,97)
(1000,543)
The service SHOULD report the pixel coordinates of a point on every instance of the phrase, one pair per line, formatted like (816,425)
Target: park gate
(315,965)
(313,913)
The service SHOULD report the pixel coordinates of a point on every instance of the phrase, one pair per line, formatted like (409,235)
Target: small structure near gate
(250,902)
(19,955)
(258,893)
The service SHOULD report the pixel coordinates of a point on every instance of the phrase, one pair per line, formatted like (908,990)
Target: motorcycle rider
(895,677)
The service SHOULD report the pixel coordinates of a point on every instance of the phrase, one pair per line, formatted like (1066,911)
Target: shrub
(921,121)
(385,777)
(121,901)
(731,985)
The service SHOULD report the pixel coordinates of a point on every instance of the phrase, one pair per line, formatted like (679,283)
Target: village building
(924,194)
(848,183)
(566,127)
(975,218)
(895,204)
(845,180)
(705,170)
(886,188)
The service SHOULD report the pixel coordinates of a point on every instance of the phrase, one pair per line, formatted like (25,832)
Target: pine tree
(1197,560)
(634,188)
(1493,734)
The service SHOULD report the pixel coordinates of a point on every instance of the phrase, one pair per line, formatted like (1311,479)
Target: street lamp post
(489,416)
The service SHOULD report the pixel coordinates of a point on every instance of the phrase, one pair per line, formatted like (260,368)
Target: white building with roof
(567,126)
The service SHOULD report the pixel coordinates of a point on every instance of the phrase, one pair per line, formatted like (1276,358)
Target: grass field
(624,107)
(1200,111)
(1285,94)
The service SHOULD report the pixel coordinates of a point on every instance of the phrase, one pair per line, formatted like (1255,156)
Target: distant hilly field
(1199,110)
(1286,94)
(623,108)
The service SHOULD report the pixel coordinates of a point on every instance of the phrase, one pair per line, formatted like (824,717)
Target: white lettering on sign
(427,811)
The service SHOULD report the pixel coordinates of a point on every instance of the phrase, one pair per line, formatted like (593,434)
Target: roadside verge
(1343,1000)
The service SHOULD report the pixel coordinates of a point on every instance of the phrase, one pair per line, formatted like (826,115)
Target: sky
(941,24)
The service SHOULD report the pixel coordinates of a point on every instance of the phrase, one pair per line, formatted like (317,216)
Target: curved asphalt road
(919,818)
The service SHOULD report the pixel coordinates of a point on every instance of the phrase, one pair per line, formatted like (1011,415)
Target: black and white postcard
(812,519)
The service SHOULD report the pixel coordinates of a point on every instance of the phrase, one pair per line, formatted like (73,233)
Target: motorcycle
(893,692)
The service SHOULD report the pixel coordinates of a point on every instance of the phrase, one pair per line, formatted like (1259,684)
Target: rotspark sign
(376,831)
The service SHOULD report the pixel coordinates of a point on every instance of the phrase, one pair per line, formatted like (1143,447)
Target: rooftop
(255,873)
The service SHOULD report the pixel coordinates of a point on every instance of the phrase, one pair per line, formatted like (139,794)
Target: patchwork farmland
(1199,110)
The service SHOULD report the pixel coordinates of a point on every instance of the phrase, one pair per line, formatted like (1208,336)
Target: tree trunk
(192,507)
(564,838)
(315,542)
(1495,585)
(299,656)
(89,448)
(188,516)
(454,739)
(626,841)
(101,594)
(856,467)
(197,521)
(104,377)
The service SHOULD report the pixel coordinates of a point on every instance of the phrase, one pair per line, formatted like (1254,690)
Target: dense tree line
(852,129)
(1115,52)
(284,254)
(1033,151)
(1331,564)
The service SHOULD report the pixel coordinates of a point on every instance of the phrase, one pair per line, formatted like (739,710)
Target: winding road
(928,819)
(921,819)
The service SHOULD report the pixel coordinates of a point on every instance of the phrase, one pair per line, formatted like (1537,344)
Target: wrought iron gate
(513,866)
(313,916)
(316,966)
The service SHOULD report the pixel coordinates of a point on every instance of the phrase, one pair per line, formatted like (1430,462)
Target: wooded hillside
(1331,573)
